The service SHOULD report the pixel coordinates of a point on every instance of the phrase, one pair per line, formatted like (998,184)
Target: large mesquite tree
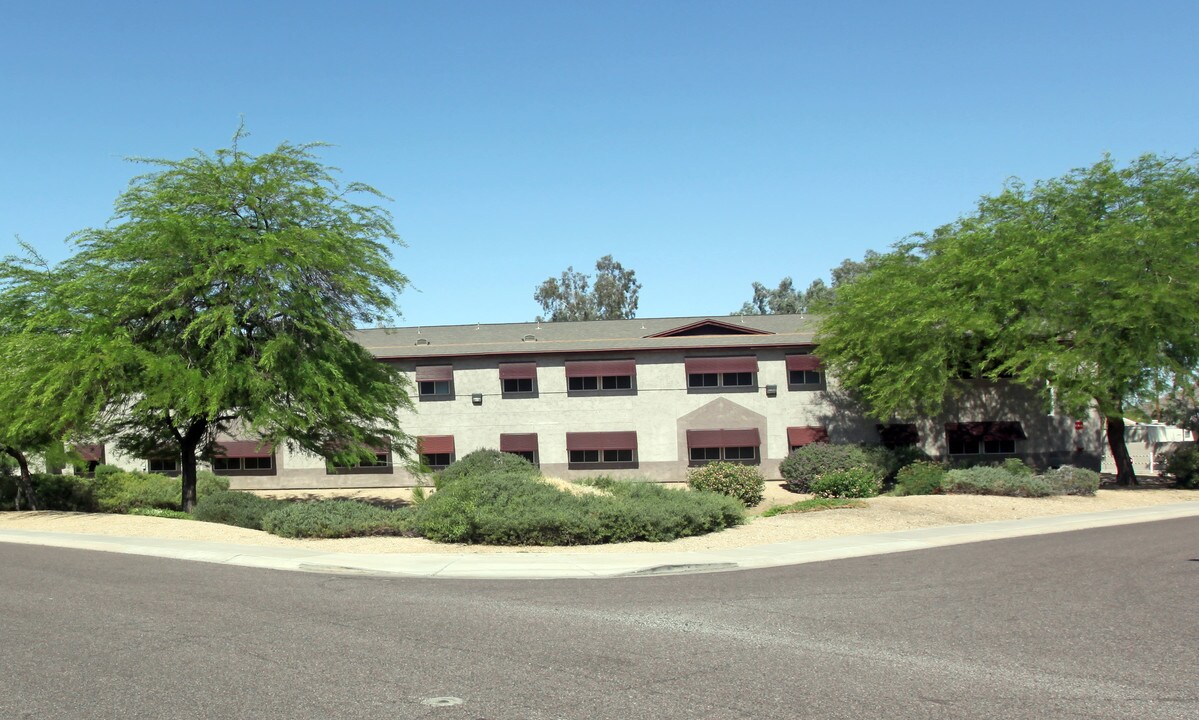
(1085,287)
(219,299)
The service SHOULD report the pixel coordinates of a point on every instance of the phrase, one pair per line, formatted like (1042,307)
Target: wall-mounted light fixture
(772,390)
(476,399)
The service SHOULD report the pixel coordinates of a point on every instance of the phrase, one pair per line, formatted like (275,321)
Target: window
(722,373)
(379,464)
(797,437)
(983,438)
(518,379)
(588,450)
(898,435)
(739,446)
(92,456)
(436,451)
(804,372)
(243,457)
(435,382)
(522,444)
(601,376)
(165,466)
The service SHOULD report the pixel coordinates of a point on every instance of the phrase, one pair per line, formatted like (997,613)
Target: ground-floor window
(591,450)
(983,438)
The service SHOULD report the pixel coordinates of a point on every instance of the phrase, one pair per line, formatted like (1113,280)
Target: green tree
(1084,287)
(574,296)
(786,299)
(42,396)
(222,297)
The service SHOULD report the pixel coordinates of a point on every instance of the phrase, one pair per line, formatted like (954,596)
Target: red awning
(518,371)
(803,362)
(91,453)
(1001,430)
(436,444)
(518,442)
(434,373)
(597,368)
(806,435)
(602,440)
(243,449)
(744,437)
(743,363)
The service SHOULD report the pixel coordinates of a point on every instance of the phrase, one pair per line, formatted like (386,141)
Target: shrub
(121,492)
(990,480)
(1016,466)
(1070,480)
(890,461)
(518,509)
(102,471)
(485,462)
(65,493)
(743,482)
(208,483)
(1182,466)
(232,507)
(813,505)
(811,461)
(335,519)
(919,478)
(861,482)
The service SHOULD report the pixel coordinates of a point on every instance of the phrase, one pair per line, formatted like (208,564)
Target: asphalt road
(1095,624)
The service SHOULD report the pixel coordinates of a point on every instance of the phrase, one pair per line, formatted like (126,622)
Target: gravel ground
(882,514)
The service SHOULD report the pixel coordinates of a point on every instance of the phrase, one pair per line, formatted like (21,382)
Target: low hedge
(919,478)
(988,480)
(232,507)
(852,483)
(809,462)
(518,509)
(335,519)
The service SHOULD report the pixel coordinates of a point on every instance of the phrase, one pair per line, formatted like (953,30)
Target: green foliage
(986,480)
(919,478)
(103,471)
(65,493)
(815,504)
(743,482)
(860,482)
(1016,466)
(518,509)
(485,462)
(122,492)
(1182,466)
(225,290)
(890,461)
(208,483)
(335,519)
(233,507)
(570,297)
(809,462)
(1070,480)
(1085,284)
(786,299)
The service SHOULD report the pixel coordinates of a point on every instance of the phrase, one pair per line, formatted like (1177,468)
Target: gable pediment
(710,327)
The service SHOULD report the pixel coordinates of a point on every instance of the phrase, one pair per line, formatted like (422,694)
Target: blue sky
(704,144)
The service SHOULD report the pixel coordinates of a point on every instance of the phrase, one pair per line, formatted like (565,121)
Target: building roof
(590,336)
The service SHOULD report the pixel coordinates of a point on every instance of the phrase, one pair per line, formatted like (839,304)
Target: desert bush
(518,509)
(861,482)
(106,470)
(1182,466)
(232,507)
(66,493)
(809,462)
(209,483)
(743,482)
(121,492)
(485,462)
(1016,466)
(335,519)
(919,478)
(1070,480)
(890,461)
(990,480)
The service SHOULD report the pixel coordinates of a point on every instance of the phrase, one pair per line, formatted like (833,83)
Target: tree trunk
(24,480)
(187,462)
(1125,475)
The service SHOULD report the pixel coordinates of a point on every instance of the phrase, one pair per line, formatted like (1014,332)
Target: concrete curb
(594,565)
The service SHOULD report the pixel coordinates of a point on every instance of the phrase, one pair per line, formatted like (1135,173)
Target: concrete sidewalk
(582,564)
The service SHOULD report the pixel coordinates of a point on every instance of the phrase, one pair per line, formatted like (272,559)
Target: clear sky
(705,145)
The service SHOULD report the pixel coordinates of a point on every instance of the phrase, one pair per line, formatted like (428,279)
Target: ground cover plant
(813,505)
(232,507)
(335,519)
